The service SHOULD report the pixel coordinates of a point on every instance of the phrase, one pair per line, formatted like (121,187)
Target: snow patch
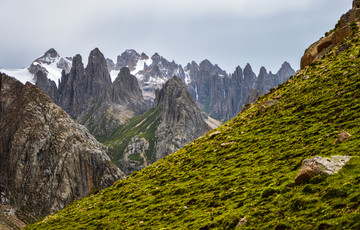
(197,93)
(114,74)
(140,65)
(187,77)
(22,75)
(53,72)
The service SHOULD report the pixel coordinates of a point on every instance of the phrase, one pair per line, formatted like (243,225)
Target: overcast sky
(227,32)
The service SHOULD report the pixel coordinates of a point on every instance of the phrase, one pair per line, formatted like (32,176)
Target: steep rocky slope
(219,94)
(242,175)
(89,95)
(222,96)
(46,159)
(172,122)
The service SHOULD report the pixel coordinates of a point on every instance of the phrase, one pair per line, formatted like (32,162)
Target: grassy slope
(248,169)
(142,126)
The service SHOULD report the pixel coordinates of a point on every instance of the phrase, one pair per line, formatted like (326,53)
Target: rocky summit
(242,175)
(172,122)
(89,95)
(47,160)
(219,94)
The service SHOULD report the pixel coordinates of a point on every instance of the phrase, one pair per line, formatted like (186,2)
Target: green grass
(142,126)
(245,174)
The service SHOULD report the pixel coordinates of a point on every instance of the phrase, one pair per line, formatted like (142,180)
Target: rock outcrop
(89,96)
(342,30)
(47,160)
(172,122)
(317,165)
(222,96)
(181,119)
(219,94)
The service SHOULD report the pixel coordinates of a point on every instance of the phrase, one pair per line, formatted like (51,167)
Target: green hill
(242,174)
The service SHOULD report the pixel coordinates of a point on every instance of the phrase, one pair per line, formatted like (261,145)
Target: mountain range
(47,160)
(270,167)
(173,121)
(217,93)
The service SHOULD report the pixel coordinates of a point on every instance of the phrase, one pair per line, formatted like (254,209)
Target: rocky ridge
(89,95)
(219,94)
(47,160)
(172,122)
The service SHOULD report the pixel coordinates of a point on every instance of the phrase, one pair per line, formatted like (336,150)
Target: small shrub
(297,204)
(308,189)
(334,193)
(268,192)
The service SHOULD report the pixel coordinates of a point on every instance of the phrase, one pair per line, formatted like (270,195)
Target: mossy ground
(243,177)
(141,126)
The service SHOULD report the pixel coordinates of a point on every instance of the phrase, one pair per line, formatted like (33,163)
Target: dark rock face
(181,120)
(219,94)
(46,159)
(71,93)
(126,91)
(47,85)
(110,64)
(89,96)
(172,122)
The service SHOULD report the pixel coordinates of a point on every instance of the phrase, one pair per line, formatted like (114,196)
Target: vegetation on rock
(241,175)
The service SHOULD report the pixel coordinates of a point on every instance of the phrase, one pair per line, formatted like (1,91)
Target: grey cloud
(227,32)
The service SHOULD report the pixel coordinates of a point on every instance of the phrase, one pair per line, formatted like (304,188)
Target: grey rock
(173,121)
(317,165)
(135,155)
(92,99)
(47,160)
(181,119)
(217,93)
(110,64)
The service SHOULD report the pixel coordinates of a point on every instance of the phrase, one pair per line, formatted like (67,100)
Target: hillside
(172,122)
(47,160)
(241,175)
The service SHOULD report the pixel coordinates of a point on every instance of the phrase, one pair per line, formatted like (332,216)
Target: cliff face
(89,96)
(219,94)
(181,119)
(222,95)
(46,159)
(272,167)
(172,122)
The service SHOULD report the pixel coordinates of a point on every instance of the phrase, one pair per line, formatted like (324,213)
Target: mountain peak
(131,51)
(263,70)
(96,53)
(356,4)
(248,66)
(49,57)
(52,53)
(156,57)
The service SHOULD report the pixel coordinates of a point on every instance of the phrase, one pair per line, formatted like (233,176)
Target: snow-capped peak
(51,64)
